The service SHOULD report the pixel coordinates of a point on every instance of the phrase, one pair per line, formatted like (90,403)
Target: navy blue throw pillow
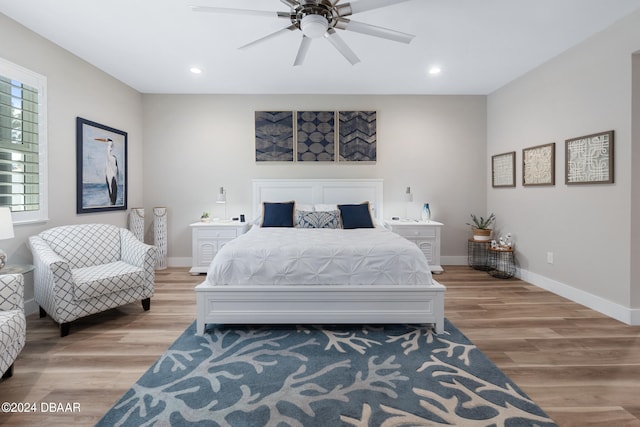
(277,214)
(356,216)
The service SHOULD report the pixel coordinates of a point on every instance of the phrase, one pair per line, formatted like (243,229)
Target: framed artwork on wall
(101,167)
(503,170)
(539,165)
(358,136)
(274,136)
(316,135)
(589,159)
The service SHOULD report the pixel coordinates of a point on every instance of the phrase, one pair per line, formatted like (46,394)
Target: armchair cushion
(95,281)
(13,325)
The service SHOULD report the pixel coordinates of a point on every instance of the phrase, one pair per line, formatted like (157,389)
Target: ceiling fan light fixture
(317,19)
(314,26)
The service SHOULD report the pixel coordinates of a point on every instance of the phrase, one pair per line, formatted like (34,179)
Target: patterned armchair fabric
(13,325)
(89,268)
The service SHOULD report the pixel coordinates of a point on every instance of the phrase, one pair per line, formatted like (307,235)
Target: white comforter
(301,256)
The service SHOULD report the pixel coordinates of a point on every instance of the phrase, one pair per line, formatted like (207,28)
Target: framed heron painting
(101,158)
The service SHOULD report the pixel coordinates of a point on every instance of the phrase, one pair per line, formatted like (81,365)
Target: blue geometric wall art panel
(358,136)
(274,136)
(316,136)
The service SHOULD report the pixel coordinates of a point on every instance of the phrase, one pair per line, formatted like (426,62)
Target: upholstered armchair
(88,268)
(13,325)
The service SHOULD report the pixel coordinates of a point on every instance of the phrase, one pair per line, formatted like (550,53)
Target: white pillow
(304,207)
(323,207)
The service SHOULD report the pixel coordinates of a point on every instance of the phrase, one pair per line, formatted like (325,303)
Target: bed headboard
(338,191)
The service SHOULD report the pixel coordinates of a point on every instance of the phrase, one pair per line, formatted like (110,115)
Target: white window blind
(22,142)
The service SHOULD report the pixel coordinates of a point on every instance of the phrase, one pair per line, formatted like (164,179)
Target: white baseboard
(30,306)
(453,260)
(179,262)
(594,302)
(608,308)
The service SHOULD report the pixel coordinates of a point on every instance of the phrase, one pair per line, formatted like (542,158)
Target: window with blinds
(21,142)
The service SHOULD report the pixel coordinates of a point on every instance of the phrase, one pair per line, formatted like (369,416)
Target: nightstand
(208,237)
(425,234)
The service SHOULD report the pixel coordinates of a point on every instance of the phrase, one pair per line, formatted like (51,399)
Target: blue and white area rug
(346,375)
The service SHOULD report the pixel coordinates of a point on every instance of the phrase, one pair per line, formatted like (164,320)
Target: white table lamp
(408,199)
(6,231)
(222,199)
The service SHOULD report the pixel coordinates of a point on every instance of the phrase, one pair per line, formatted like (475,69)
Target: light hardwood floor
(581,367)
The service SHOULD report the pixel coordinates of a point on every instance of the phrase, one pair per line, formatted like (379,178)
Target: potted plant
(205,217)
(481,227)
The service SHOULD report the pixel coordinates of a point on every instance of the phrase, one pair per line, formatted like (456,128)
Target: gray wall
(75,88)
(195,144)
(635,184)
(585,90)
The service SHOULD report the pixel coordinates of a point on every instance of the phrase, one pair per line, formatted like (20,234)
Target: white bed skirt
(331,304)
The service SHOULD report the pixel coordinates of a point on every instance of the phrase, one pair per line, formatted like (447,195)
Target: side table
(502,263)
(478,255)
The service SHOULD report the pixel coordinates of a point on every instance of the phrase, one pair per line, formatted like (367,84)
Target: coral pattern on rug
(308,375)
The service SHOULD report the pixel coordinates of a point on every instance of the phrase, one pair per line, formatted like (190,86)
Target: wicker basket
(482,234)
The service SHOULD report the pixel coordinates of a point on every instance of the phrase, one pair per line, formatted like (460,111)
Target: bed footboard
(319,304)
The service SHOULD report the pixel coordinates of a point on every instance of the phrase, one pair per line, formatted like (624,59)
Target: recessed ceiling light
(195,70)
(435,70)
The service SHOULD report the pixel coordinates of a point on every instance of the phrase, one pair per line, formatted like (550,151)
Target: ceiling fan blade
(302,51)
(230,11)
(364,5)
(269,36)
(374,30)
(341,46)
(291,3)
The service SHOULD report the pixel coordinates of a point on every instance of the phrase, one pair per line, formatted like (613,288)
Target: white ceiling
(479,44)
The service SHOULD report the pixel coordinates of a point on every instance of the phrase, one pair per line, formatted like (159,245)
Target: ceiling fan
(321,18)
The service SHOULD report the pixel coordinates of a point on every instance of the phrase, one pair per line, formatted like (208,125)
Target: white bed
(379,278)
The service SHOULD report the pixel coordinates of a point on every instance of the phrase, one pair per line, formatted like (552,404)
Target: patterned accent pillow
(324,219)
